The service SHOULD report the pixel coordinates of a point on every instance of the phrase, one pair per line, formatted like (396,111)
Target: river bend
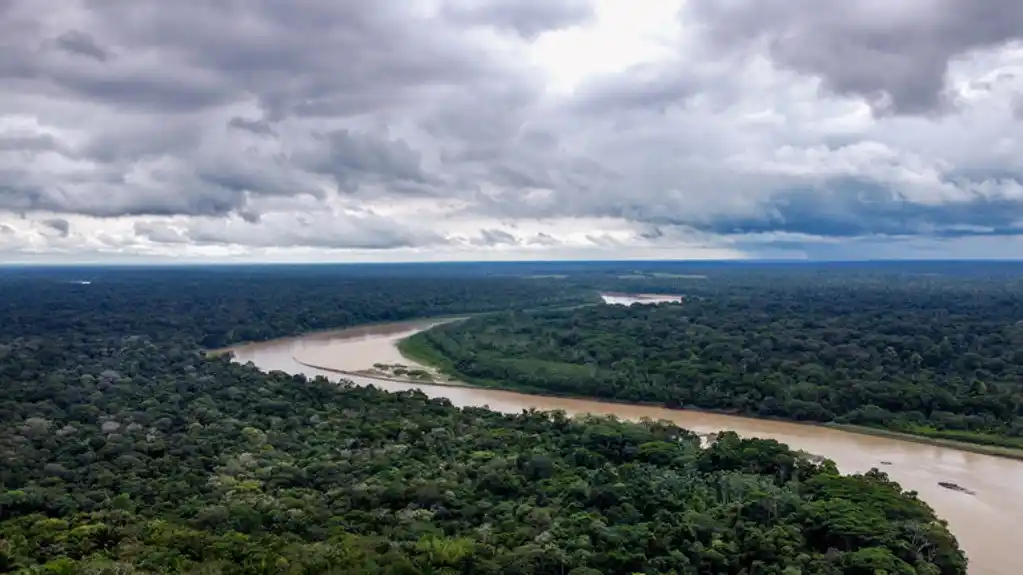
(987,523)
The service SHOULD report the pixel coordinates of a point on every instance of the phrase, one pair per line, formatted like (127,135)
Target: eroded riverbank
(985,522)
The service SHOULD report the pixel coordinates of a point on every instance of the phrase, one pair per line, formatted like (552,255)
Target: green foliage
(218,307)
(127,450)
(942,362)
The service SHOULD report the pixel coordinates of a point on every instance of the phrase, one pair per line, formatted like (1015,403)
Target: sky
(348,130)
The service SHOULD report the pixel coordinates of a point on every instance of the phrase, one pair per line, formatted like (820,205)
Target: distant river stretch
(987,523)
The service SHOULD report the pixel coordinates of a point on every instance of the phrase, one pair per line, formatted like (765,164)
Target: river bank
(445,375)
(416,349)
(441,381)
(374,328)
(983,512)
(993,450)
(384,325)
(984,521)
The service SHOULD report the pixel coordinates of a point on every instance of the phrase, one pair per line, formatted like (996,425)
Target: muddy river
(987,523)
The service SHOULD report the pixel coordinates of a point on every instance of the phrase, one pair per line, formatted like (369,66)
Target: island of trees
(126,449)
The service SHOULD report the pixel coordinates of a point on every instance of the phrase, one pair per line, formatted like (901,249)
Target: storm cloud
(60,225)
(563,128)
(895,54)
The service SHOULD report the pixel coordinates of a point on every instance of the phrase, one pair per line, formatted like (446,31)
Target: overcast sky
(352,130)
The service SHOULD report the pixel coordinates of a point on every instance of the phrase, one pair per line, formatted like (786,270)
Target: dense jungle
(127,449)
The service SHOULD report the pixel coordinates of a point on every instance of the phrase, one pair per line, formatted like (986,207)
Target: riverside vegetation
(126,449)
(936,362)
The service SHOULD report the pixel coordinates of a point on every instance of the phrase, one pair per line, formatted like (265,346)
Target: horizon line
(735,262)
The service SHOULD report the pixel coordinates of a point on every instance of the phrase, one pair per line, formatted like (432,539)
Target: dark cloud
(23,191)
(142,137)
(254,174)
(492,137)
(322,58)
(212,202)
(493,237)
(77,42)
(30,143)
(895,54)
(543,239)
(17,194)
(147,86)
(528,18)
(353,158)
(652,233)
(250,216)
(62,226)
(856,208)
(258,127)
(519,176)
(140,80)
(200,64)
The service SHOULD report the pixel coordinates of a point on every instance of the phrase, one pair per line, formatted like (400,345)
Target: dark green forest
(218,306)
(933,357)
(125,449)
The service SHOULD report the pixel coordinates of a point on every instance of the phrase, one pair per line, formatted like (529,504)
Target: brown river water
(988,524)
